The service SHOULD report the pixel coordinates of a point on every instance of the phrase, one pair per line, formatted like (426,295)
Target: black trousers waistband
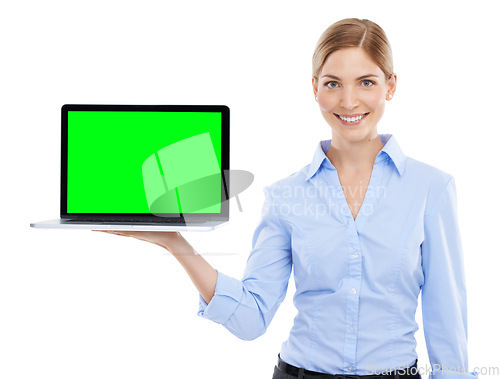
(408,373)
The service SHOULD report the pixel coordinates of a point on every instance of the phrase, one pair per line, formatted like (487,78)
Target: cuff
(228,293)
(441,374)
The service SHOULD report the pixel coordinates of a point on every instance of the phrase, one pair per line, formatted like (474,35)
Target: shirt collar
(391,150)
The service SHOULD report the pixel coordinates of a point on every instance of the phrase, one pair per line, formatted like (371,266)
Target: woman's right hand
(167,240)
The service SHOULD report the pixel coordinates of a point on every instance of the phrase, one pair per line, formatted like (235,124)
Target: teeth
(352,119)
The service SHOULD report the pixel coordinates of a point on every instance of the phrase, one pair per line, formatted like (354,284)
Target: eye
(331,84)
(367,83)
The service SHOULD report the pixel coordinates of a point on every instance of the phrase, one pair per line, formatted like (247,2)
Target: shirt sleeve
(246,307)
(444,304)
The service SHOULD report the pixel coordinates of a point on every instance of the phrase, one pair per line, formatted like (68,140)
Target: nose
(349,99)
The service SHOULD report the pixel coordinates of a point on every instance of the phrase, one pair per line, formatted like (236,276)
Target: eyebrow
(360,78)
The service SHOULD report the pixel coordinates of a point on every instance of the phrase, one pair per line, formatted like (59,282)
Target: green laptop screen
(144,162)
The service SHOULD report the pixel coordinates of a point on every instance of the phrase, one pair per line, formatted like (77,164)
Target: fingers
(156,237)
(116,232)
(144,236)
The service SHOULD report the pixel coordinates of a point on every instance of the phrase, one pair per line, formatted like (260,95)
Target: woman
(365,228)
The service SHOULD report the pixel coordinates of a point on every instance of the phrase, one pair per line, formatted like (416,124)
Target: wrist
(173,241)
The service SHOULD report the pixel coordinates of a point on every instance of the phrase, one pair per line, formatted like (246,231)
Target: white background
(80,304)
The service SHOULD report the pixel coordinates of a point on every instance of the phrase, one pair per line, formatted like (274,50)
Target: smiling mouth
(351,119)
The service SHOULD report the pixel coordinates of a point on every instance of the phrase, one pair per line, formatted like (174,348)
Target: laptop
(143,167)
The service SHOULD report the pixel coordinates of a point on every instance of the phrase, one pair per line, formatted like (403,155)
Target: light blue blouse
(357,281)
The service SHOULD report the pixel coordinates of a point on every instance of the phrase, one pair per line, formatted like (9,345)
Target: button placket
(354,285)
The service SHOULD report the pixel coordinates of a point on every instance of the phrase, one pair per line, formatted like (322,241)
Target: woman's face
(351,92)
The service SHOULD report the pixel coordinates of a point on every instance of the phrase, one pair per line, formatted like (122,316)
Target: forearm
(202,274)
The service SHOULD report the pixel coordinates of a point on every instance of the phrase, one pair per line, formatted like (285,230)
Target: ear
(392,83)
(315,86)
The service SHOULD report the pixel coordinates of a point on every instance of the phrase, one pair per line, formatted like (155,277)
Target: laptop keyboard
(120,222)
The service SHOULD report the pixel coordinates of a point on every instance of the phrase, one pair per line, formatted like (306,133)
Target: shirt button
(355,255)
(350,368)
(353,291)
(351,329)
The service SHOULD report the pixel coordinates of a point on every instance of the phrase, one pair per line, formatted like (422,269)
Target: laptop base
(158,227)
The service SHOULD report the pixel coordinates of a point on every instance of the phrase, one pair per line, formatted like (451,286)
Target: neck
(354,156)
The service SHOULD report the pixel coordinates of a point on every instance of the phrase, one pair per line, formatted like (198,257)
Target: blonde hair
(353,32)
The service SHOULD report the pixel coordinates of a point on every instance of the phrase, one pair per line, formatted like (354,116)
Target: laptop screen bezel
(145,217)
